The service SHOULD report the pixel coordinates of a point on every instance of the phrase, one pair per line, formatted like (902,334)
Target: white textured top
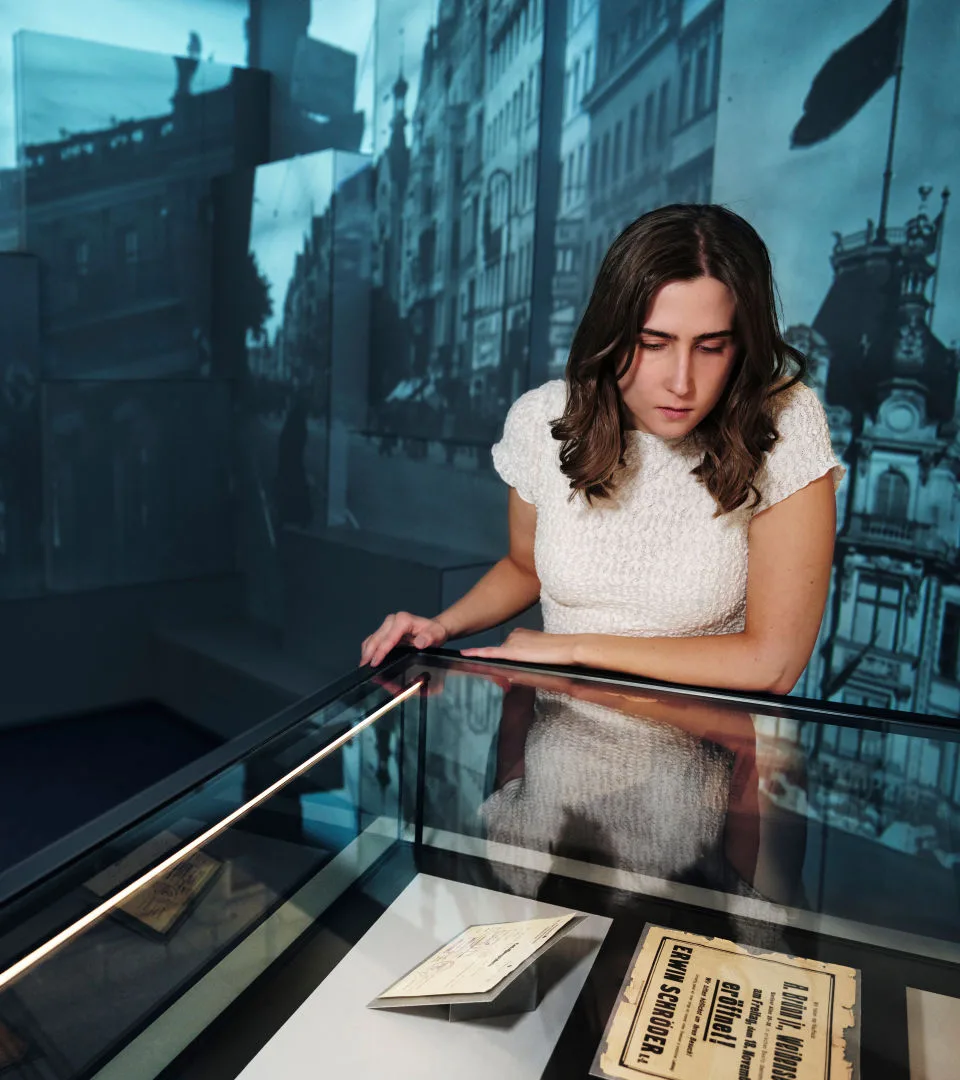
(652,561)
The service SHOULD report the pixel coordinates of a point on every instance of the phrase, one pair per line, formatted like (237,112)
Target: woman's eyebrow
(673,337)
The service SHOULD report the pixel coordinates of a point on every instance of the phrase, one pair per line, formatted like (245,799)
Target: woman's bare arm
(508,588)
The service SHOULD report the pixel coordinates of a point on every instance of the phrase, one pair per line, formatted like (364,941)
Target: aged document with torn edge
(699,1008)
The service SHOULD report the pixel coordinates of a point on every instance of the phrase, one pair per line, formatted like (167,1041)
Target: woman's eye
(712,348)
(651,346)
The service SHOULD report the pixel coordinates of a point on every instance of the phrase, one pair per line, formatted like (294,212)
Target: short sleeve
(803,451)
(518,456)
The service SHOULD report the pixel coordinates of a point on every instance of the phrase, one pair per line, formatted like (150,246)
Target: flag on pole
(851,76)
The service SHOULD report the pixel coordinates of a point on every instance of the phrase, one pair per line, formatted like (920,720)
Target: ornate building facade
(891,634)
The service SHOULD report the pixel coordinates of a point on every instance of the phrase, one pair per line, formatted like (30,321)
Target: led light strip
(127,891)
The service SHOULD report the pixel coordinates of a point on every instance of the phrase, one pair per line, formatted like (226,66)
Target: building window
(662,118)
(617,150)
(700,82)
(611,50)
(605,161)
(683,104)
(848,744)
(81,255)
(871,746)
(647,124)
(892,496)
(949,658)
(876,613)
(632,138)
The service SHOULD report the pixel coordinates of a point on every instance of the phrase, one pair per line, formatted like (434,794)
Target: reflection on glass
(690,791)
(88,997)
(116,512)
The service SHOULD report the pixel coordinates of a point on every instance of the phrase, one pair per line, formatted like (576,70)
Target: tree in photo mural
(257,303)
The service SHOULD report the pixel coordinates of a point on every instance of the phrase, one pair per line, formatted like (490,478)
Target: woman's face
(682,359)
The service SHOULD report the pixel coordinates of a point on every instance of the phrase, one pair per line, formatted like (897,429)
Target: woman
(680,449)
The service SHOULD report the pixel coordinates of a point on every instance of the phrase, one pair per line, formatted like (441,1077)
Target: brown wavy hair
(681,242)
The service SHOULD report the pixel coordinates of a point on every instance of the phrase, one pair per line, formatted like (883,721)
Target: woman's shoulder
(803,451)
(519,454)
(797,411)
(545,401)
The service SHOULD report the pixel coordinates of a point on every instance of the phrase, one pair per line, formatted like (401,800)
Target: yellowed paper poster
(698,1008)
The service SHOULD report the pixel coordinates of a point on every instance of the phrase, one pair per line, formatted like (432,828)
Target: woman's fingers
(371,644)
(400,625)
(418,631)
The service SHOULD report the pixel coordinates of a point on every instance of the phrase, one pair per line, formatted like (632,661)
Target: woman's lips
(673,414)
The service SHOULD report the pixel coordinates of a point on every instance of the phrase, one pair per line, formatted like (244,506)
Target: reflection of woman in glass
(679,448)
(656,785)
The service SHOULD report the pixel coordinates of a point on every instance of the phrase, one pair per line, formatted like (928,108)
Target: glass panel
(21,483)
(117,207)
(356,35)
(640,804)
(300,340)
(647,782)
(112,453)
(239,899)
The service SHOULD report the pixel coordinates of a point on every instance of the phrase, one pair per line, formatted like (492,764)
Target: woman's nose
(680,381)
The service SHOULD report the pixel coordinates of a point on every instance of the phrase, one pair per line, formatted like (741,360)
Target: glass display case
(243,926)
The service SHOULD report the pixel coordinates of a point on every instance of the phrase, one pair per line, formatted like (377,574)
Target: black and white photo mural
(377,257)
(456,163)
(842,112)
(829,127)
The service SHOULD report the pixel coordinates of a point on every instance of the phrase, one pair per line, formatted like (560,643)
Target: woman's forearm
(738,661)
(504,591)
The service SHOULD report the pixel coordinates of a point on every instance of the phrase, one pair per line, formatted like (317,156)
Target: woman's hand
(401,626)
(531,646)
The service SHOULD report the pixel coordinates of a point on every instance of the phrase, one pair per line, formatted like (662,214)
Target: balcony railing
(898,534)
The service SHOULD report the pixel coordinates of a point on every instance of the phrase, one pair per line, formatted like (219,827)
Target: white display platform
(334,1033)
(933,1024)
